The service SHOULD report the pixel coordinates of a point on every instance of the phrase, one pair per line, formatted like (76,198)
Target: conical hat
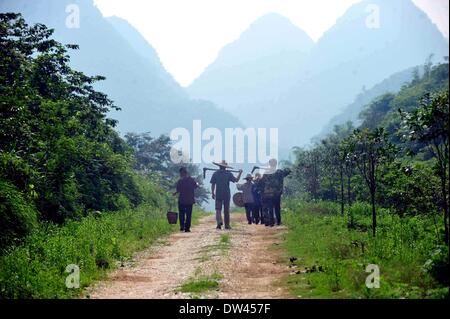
(222,164)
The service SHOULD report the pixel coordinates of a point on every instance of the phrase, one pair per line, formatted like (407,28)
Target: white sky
(188,34)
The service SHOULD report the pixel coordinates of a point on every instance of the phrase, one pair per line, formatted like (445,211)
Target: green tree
(429,124)
(152,157)
(371,149)
(56,143)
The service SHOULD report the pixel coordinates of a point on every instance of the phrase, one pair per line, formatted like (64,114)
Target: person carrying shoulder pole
(220,190)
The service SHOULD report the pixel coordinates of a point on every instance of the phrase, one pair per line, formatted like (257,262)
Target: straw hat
(222,164)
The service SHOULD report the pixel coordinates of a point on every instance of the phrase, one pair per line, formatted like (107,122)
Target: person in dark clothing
(249,201)
(186,186)
(272,189)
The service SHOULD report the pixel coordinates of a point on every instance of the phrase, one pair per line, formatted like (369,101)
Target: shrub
(400,249)
(17,216)
(36,269)
(438,265)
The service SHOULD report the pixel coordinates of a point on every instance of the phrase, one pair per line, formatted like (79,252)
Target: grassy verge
(333,252)
(37,269)
(202,284)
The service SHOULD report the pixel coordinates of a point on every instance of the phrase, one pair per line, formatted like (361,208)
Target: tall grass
(36,269)
(333,252)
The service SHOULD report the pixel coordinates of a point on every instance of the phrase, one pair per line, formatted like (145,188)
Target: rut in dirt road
(245,262)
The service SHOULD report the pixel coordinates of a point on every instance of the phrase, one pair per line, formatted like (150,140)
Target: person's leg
(254,217)
(226,212)
(248,213)
(256,213)
(277,206)
(261,213)
(181,212)
(266,211)
(219,213)
(271,212)
(187,224)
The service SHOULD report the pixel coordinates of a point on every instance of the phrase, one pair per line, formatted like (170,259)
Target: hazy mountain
(151,100)
(140,45)
(351,56)
(254,68)
(355,53)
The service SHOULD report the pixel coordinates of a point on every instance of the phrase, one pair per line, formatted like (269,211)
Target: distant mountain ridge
(144,49)
(315,86)
(272,76)
(270,34)
(151,100)
(265,56)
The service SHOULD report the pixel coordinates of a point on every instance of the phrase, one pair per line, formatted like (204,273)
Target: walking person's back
(272,189)
(220,190)
(186,186)
(249,201)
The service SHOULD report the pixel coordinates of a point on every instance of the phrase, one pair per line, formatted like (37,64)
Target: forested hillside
(352,111)
(383,187)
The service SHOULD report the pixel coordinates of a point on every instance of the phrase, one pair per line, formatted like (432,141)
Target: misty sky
(188,34)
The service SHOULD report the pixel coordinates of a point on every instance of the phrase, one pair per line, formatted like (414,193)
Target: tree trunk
(373,189)
(342,192)
(445,203)
(349,190)
(374,213)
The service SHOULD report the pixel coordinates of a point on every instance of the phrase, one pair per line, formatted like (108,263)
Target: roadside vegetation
(72,190)
(376,194)
(332,252)
(37,269)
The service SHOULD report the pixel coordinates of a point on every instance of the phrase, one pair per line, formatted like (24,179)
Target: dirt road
(206,263)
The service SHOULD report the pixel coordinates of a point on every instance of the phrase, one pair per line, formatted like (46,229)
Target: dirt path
(245,262)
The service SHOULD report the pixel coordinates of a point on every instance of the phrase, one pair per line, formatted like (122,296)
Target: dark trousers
(277,208)
(268,211)
(258,214)
(185,214)
(249,211)
(226,211)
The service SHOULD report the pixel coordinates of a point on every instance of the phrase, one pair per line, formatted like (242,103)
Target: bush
(438,265)
(335,256)
(17,216)
(36,269)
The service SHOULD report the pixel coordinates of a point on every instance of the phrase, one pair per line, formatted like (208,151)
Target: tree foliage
(152,158)
(394,159)
(59,153)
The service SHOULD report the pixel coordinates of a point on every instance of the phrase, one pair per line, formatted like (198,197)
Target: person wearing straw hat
(220,190)
(249,201)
